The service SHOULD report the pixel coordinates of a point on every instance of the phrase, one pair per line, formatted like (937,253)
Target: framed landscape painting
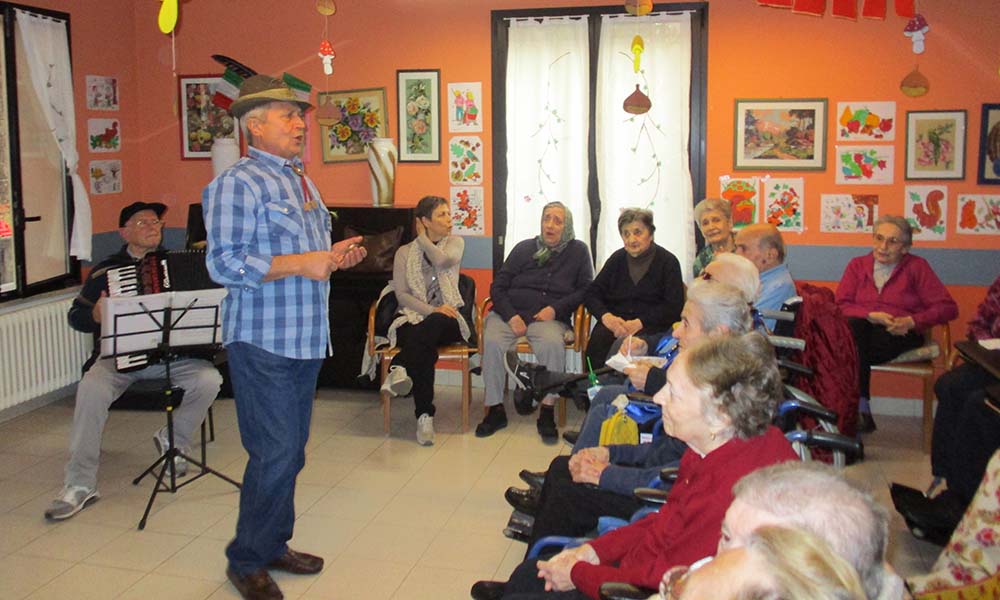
(780,135)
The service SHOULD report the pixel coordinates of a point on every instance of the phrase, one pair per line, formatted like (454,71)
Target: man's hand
(615,324)
(546,314)
(96,311)
(901,325)
(349,252)
(633,327)
(633,347)
(447,310)
(637,375)
(517,325)
(314,265)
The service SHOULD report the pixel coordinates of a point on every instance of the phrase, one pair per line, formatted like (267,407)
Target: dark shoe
(495,420)
(255,586)
(866,424)
(526,501)
(519,527)
(512,533)
(931,519)
(298,563)
(517,370)
(524,402)
(547,424)
(571,435)
(488,590)
(535,479)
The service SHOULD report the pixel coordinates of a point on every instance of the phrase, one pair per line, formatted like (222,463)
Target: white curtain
(548,65)
(47,46)
(642,160)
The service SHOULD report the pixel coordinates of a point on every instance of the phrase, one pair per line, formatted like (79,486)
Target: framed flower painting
(935,144)
(419,97)
(349,120)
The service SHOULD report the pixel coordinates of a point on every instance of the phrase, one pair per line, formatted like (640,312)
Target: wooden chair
(923,362)
(459,352)
(575,338)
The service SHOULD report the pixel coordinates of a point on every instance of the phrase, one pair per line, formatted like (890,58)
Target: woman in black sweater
(639,289)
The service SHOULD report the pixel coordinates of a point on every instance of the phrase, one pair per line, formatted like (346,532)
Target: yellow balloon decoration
(168,16)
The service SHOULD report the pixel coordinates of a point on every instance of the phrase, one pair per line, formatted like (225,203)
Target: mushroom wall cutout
(916,30)
(167,19)
(327,55)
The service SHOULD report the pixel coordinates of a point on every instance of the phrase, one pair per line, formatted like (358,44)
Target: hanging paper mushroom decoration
(637,103)
(638,7)
(327,54)
(916,29)
(915,84)
(637,47)
(167,19)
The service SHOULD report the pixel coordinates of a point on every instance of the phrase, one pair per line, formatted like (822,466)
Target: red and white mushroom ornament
(327,55)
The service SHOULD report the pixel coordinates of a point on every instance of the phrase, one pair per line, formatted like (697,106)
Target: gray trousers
(102,384)
(545,337)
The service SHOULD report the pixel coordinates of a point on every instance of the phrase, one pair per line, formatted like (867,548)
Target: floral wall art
(349,120)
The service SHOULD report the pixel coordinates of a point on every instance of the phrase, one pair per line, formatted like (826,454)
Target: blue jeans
(600,409)
(274,398)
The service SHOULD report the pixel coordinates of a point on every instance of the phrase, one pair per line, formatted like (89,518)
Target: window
(560,77)
(36,191)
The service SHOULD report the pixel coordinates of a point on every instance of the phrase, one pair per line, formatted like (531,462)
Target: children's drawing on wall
(872,165)
(743,195)
(467,211)
(848,213)
(102,92)
(926,207)
(784,203)
(105,176)
(866,121)
(465,160)
(978,214)
(465,101)
(103,135)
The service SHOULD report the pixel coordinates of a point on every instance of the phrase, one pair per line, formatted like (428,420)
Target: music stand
(160,323)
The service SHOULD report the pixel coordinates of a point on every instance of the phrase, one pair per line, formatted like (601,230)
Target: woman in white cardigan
(425,279)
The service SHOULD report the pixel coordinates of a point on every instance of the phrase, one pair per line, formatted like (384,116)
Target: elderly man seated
(763,246)
(534,295)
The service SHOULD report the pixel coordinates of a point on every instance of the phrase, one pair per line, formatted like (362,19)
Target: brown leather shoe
(255,586)
(298,563)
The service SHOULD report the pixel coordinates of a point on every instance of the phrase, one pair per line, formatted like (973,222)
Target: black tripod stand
(173,397)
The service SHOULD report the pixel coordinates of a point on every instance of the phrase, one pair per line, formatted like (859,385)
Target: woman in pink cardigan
(891,298)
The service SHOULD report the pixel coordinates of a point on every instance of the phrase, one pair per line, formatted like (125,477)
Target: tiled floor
(393,519)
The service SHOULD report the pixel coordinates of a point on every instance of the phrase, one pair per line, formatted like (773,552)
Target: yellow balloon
(168,16)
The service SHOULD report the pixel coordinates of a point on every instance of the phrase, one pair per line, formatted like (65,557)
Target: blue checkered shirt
(254,211)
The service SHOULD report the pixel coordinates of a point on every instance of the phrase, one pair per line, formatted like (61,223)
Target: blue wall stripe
(815,263)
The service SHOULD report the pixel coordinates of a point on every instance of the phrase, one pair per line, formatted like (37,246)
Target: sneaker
(162,443)
(495,420)
(397,382)
(425,430)
(71,500)
(517,370)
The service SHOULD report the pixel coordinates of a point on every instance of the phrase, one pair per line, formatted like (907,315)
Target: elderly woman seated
(719,399)
(713,216)
(891,298)
(568,503)
(639,289)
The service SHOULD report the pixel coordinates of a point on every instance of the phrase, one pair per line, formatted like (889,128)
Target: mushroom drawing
(327,54)
(741,195)
(637,47)
(916,29)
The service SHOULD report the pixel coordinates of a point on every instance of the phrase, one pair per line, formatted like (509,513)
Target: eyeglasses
(147,222)
(890,241)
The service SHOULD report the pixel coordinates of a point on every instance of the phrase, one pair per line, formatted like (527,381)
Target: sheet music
(135,323)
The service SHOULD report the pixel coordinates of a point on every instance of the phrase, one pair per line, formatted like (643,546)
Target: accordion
(157,272)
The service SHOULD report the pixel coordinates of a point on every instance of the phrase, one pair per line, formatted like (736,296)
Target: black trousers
(572,509)
(876,345)
(418,353)
(966,431)
(599,345)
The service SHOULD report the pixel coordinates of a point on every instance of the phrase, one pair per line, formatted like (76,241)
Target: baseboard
(12,412)
(898,407)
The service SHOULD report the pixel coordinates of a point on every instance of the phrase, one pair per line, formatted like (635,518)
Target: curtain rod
(607,15)
(40,16)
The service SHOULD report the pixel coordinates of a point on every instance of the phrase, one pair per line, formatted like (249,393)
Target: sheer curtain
(46,44)
(642,160)
(548,65)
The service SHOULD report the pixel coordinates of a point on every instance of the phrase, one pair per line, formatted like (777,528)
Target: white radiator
(39,351)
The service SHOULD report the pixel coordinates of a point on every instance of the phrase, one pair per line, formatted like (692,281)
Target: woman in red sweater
(890,298)
(719,399)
